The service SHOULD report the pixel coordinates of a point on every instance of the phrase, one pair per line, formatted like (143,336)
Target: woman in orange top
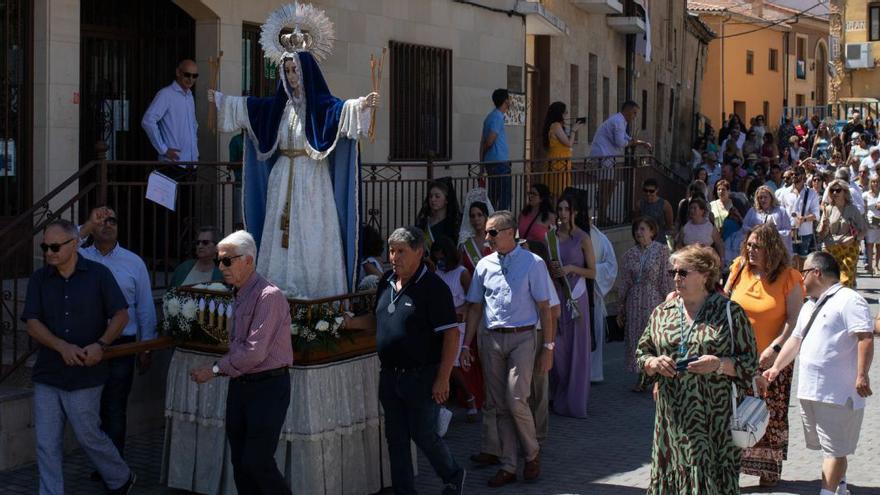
(771,293)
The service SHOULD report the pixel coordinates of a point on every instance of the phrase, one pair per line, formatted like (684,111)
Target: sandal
(472,413)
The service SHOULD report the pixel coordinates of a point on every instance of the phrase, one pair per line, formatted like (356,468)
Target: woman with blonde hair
(694,353)
(766,209)
(763,283)
(841,228)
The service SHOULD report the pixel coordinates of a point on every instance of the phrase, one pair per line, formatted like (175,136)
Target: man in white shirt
(713,168)
(738,137)
(871,160)
(170,120)
(610,141)
(802,205)
(836,347)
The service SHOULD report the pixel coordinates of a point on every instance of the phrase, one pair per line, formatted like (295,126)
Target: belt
(294,153)
(258,377)
(527,328)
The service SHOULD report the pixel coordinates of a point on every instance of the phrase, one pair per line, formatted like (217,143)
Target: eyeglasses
(227,261)
(55,247)
(835,190)
(649,191)
(190,75)
(113,221)
(806,271)
(494,232)
(680,273)
(753,245)
(203,242)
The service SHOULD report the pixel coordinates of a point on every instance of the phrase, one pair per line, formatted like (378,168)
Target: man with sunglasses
(260,353)
(802,205)
(74,310)
(170,121)
(133,279)
(510,290)
(834,343)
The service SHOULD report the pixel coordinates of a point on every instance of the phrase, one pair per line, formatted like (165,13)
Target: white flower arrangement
(316,326)
(185,316)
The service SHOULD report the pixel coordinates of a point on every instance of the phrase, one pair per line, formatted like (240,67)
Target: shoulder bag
(751,417)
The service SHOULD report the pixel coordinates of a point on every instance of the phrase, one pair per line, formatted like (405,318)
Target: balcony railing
(391,195)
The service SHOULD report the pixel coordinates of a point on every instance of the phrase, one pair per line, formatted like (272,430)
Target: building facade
(780,47)
(855,48)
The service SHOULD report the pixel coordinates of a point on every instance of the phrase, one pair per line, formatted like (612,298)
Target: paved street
(607,453)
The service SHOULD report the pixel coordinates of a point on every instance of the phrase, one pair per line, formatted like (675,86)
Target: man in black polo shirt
(417,341)
(74,309)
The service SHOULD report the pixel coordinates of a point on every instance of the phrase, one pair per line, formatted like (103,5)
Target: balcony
(626,24)
(540,20)
(600,7)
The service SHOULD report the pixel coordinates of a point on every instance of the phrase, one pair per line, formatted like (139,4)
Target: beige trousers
(508,363)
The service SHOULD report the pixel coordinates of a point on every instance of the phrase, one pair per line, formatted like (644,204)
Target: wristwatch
(215,369)
(720,365)
(777,348)
(103,345)
(549,345)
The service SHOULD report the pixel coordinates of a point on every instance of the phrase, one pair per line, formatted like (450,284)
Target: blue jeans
(411,414)
(114,398)
(52,406)
(499,189)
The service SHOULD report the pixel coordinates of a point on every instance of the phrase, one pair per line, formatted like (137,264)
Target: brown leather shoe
(483,459)
(532,469)
(502,478)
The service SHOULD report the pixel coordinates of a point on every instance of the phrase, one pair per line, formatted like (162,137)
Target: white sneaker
(443,419)
(841,489)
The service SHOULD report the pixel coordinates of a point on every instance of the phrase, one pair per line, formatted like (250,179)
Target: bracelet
(720,365)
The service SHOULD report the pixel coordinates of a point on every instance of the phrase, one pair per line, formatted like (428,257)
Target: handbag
(750,418)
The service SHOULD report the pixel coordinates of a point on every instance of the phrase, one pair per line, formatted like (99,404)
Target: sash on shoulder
(472,251)
(553,246)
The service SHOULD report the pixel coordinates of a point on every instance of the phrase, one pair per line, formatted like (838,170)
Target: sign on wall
(516,112)
(858,25)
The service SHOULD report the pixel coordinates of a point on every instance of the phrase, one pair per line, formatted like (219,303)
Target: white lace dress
(313,264)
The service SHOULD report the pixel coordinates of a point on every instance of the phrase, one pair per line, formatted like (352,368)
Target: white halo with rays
(302,18)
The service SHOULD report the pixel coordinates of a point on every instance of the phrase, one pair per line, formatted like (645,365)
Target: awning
(540,21)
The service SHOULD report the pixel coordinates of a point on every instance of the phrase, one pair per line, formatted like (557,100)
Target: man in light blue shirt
(170,120)
(493,148)
(511,289)
(133,279)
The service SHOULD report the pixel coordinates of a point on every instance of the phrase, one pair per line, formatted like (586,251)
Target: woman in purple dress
(572,263)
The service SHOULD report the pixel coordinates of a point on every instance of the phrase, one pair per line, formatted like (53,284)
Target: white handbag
(751,417)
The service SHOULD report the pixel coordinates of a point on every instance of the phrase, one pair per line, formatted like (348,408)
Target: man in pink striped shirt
(259,354)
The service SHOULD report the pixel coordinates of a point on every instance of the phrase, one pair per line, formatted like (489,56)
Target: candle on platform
(212,316)
(202,311)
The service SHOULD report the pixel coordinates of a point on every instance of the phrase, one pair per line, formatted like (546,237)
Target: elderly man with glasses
(74,310)
(510,290)
(170,120)
(259,354)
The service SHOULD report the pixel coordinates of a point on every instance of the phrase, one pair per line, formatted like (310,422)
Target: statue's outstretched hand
(373,99)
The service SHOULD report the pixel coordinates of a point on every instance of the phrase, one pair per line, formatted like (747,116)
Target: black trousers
(255,413)
(114,397)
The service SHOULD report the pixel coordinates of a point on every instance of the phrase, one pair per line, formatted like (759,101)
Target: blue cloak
(321,128)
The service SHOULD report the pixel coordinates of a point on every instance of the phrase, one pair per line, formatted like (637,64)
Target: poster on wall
(516,112)
(7,158)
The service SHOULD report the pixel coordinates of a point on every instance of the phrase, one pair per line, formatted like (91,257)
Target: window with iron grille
(420,102)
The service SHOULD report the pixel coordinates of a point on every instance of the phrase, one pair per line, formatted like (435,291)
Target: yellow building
(741,60)
(855,49)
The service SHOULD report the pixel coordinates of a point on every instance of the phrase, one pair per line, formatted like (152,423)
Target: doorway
(821,75)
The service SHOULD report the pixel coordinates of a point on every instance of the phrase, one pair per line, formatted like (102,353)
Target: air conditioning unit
(858,56)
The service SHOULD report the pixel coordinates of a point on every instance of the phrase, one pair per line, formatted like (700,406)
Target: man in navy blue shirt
(74,310)
(417,341)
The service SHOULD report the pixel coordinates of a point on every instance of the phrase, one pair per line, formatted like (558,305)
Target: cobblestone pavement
(606,453)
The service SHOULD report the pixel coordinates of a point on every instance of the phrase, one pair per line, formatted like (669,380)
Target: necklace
(686,335)
(392,307)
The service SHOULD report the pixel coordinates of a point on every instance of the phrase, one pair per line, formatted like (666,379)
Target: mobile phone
(580,120)
(682,364)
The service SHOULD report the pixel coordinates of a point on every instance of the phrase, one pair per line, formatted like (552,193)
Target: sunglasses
(680,273)
(190,75)
(649,191)
(532,193)
(203,242)
(227,261)
(111,221)
(494,232)
(835,190)
(54,247)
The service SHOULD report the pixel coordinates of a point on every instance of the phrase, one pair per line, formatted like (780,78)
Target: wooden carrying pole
(214,63)
(376,79)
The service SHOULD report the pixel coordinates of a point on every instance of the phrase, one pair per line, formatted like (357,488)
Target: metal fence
(209,195)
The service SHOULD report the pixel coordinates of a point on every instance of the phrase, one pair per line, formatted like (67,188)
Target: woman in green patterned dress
(693,453)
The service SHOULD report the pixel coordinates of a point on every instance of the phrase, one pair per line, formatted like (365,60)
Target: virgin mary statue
(301,178)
